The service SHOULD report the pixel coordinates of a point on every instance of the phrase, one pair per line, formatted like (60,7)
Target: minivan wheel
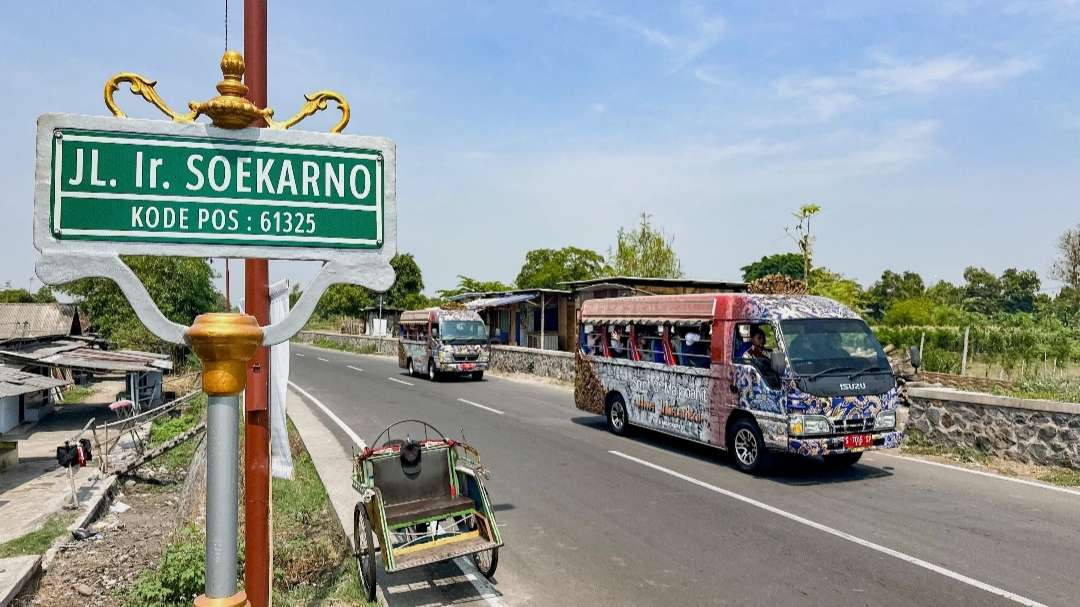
(432,372)
(412,368)
(747,447)
(617,419)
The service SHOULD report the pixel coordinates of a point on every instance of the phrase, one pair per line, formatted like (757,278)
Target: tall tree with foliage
(785,264)
(837,287)
(891,287)
(43,295)
(645,252)
(546,268)
(471,285)
(800,233)
(408,283)
(1019,289)
(982,291)
(182,288)
(1067,266)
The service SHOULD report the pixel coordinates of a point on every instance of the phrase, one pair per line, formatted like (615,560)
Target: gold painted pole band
(224,342)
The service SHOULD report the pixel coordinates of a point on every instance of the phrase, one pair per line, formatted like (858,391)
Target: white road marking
(840,534)
(982,473)
(323,359)
(337,420)
(484,407)
(353,368)
(300,355)
(400,381)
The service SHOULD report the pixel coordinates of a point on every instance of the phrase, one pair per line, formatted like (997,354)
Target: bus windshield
(463,331)
(826,345)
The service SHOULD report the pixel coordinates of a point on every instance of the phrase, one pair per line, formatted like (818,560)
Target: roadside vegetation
(75,395)
(343,347)
(916,443)
(38,540)
(168,427)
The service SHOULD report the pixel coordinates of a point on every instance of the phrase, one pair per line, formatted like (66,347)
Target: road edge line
(837,533)
(1011,479)
(359,442)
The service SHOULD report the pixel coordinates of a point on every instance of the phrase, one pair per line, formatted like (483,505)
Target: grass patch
(916,443)
(312,562)
(75,395)
(330,344)
(178,578)
(1065,477)
(38,540)
(167,427)
(1062,390)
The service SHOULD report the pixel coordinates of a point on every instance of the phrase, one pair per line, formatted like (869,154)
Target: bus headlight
(808,425)
(885,421)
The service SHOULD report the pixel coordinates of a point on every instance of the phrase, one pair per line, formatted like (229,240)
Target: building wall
(1025,430)
(9,413)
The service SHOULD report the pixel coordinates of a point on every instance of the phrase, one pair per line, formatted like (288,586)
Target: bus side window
(692,345)
(650,343)
(746,348)
(619,341)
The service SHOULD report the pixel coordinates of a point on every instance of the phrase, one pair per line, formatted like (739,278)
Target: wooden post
(543,310)
(963,359)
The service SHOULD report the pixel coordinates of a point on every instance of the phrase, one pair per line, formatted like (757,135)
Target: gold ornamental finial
(230,109)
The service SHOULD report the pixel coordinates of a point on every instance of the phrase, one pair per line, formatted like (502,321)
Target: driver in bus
(755,348)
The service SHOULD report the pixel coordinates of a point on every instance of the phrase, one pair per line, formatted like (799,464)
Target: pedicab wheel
(842,460)
(617,419)
(486,561)
(747,447)
(432,372)
(364,547)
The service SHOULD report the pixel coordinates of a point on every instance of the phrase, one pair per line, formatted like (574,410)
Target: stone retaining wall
(507,359)
(1030,431)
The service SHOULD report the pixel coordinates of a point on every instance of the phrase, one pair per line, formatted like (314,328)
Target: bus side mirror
(778,362)
(916,357)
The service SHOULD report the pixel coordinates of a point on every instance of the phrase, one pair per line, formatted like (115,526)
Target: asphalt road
(590,518)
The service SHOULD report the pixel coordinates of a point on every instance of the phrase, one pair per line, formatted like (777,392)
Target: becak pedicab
(424,499)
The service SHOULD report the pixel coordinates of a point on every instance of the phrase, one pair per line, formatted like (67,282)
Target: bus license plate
(855,441)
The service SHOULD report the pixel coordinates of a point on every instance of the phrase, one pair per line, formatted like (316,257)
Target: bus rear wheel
(432,373)
(617,419)
(747,447)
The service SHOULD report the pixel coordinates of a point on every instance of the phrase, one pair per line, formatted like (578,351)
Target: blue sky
(935,135)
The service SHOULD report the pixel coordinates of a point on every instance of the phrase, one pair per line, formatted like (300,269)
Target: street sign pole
(256,398)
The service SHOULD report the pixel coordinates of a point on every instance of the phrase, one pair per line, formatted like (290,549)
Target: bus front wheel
(617,419)
(432,373)
(747,447)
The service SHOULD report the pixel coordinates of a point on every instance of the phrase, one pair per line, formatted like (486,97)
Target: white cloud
(598,108)
(829,96)
(685,47)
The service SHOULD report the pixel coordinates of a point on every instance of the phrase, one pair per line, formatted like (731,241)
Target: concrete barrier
(1026,430)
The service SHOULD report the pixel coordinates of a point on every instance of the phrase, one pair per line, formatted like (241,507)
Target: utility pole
(256,396)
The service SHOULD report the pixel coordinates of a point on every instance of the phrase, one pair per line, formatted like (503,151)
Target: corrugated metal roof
(493,302)
(79,355)
(36,320)
(14,382)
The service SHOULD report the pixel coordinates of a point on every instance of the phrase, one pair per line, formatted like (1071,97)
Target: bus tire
(747,448)
(477,375)
(433,373)
(409,366)
(617,419)
(842,460)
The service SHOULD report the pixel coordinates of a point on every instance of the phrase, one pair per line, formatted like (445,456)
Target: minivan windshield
(832,345)
(463,331)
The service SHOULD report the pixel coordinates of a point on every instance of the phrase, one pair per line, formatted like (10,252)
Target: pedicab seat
(419,491)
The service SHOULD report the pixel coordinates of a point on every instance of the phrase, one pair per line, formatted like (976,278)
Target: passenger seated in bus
(618,344)
(693,351)
(649,344)
(755,348)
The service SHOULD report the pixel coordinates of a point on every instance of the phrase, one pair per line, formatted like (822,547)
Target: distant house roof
(613,282)
(493,294)
(14,382)
(384,309)
(77,354)
(494,302)
(27,321)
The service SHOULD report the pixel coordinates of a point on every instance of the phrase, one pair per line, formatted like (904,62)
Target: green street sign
(144,184)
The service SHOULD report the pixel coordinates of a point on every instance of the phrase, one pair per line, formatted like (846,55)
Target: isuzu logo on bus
(856,386)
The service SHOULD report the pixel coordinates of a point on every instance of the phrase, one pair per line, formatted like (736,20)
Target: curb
(94,506)
(14,591)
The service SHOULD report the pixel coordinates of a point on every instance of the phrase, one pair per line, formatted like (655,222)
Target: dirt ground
(96,572)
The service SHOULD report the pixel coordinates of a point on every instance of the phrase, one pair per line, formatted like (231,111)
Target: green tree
(408,282)
(471,285)
(182,288)
(912,311)
(982,291)
(343,300)
(800,233)
(294,295)
(546,268)
(645,252)
(786,264)
(837,287)
(1019,289)
(943,292)
(1066,267)
(891,287)
(43,295)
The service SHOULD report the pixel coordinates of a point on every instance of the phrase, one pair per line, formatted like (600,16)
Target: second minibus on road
(753,374)
(439,342)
